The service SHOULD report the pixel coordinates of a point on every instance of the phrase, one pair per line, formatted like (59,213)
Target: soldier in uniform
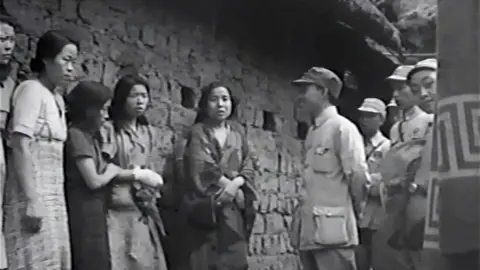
(397,81)
(422,80)
(372,116)
(7,84)
(324,229)
(422,83)
(414,122)
(402,174)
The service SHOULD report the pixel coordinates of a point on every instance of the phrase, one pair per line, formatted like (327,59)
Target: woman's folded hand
(240,199)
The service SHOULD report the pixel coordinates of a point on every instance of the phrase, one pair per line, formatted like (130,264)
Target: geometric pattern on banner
(457,137)
(456,153)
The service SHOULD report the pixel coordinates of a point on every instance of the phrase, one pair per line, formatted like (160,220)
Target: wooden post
(454,227)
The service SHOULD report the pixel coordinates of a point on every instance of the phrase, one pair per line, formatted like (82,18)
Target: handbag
(201,212)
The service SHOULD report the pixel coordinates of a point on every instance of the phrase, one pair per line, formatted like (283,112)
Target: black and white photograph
(239,135)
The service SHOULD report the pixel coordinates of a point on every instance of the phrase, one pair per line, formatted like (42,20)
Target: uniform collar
(412,113)
(377,139)
(326,114)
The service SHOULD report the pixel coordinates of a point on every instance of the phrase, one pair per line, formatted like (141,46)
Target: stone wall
(416,20)
(178,56)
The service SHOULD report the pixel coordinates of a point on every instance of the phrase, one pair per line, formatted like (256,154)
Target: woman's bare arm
(94,180)
(23,164)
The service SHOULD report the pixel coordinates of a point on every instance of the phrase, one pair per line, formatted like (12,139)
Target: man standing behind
(397,81)
(414,122)
(407,195)
(7,44)
(422,80)
(372,116)
(423,84)
(335,176)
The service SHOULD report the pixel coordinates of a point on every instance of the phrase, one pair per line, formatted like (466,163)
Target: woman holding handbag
(219,185)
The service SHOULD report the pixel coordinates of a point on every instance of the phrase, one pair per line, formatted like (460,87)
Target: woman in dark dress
(88,176)
(219,186)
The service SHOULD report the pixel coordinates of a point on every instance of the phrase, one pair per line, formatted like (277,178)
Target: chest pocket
(323,159)
(417,133)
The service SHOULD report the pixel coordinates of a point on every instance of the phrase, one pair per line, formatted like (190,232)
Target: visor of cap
(322,77)
(314,75)
(396,78)
(369,109)
(427,64)
(373,105)
(400,73)
(303,81)
(392,103)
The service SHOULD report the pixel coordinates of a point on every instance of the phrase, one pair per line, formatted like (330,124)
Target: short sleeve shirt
(38,112)
(81,144)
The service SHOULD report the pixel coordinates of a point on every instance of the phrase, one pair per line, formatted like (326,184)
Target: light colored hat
(373,105)
(400,73)
(322,77)
(427,64)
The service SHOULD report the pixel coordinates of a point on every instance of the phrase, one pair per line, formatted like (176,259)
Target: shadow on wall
(285,36)
(294,36)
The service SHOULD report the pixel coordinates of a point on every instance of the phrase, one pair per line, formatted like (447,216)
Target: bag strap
(245,150)
(369,154)
(150,138)
(400,131)
(42,114)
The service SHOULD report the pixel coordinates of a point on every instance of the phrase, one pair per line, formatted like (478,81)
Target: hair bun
(36,65)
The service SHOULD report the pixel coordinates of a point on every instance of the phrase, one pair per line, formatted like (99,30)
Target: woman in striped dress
(36,223)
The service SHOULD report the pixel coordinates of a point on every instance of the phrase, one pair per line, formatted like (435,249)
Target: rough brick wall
(176,54)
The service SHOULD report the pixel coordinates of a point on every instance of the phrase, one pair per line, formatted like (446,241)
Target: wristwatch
(413,187)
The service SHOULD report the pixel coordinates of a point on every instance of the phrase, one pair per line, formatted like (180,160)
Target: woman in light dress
(36,223)
(134,222)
